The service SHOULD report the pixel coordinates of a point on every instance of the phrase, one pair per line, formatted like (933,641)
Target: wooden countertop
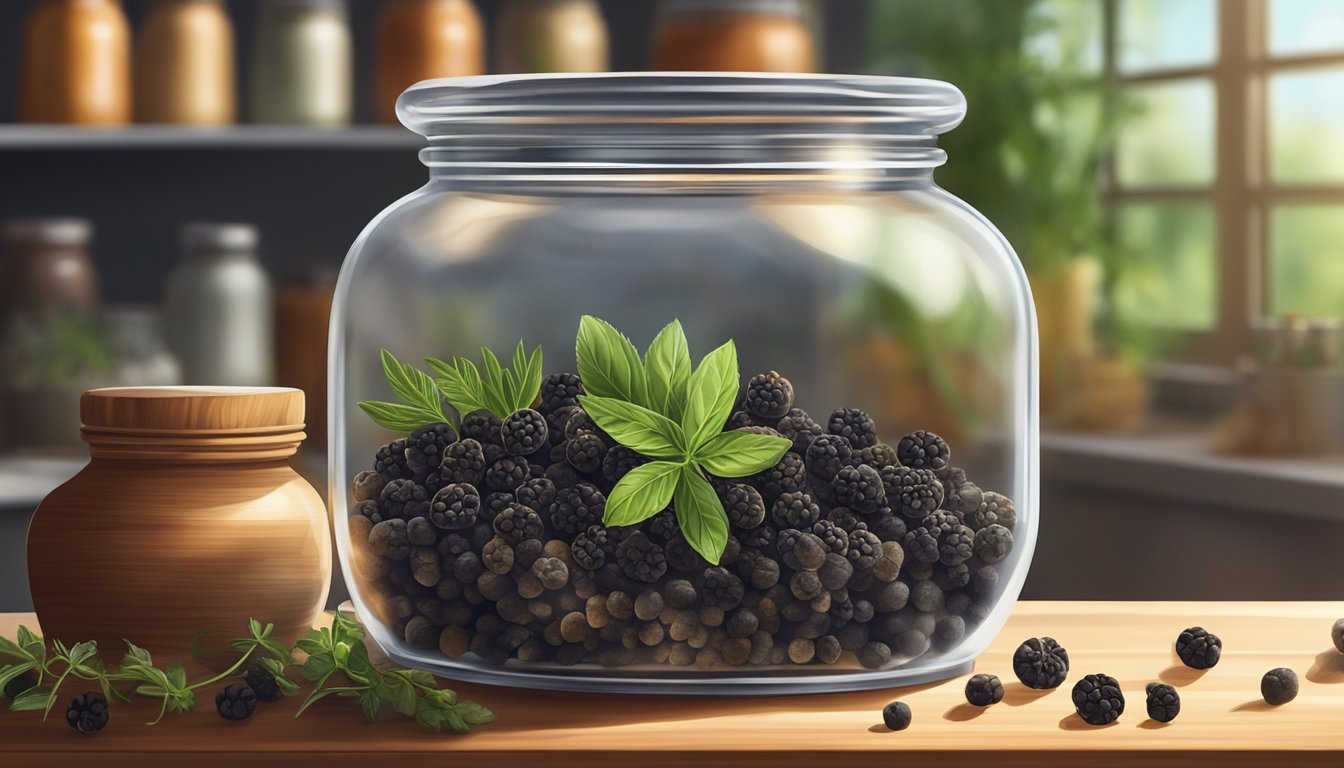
(1223,721)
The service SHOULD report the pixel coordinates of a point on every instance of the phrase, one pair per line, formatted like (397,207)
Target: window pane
(1066,36)
(1306,260)
(1305,26)
(1170,139)
(1306,126)
(1169,277)
(1158,34)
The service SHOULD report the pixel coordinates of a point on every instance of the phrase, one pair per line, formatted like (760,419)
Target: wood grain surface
(1223,720)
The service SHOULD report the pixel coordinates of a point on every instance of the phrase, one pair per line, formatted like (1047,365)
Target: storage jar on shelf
(422,39)
(184,64)
(76,64)
(303,65)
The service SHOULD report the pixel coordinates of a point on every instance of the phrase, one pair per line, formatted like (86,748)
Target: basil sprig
(660,408)
(422,402)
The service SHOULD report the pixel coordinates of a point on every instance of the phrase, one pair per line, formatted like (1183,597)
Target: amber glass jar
(186,522)
(76,64)
(423,39)
(184,64)
(733,36)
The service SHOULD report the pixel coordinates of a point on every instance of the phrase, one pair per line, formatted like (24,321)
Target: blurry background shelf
(172,137)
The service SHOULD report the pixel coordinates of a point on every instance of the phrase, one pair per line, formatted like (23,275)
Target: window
(1227,185)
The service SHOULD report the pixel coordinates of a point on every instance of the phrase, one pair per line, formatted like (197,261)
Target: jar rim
(896,106)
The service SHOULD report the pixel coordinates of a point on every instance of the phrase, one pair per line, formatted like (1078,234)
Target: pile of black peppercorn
(849,551)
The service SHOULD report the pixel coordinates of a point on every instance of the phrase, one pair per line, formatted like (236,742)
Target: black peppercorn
(859,488)
(1098,699)
(1198,648)
(1041,663)
(1164,703)
(924,450)
(897,715)
(984,690)
(1279,686)
(404,499)
(235,702)
(768,396)
(87,713)
(827,455)
(263,684)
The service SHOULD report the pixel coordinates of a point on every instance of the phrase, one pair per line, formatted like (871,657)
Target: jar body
(302,70)
(76,64)
(157,552)
(220,311)
(422,39)
(184,64)
(738,36)
(885,295)
(552,36)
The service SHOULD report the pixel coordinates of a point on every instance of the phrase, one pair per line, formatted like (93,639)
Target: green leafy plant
(422,402)
(339,649)
(657,406)
(497,389)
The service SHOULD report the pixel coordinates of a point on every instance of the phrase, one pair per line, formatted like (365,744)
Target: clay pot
(186,522)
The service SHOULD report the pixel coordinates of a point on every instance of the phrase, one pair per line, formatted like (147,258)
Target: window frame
(1242,193)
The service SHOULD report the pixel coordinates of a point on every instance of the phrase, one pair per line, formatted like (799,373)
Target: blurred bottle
(184,64)
(302,69)
(140,355)
(76,65)
(551,36)
(733,36)
(219,308)
(51,348)
(302,309)
(423,39)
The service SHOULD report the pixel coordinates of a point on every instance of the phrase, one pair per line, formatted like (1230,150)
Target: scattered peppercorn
(87,713)
(1164,703)
(1041,663)
(1279,686)
(984,690)
(1098,699)
(1198,648)
(263,684)
(235,702)
(1337,635)
(896,715)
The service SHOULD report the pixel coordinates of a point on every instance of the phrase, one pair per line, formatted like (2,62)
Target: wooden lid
(192,409)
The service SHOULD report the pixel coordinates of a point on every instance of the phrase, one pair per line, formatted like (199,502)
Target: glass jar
(551,36)
(76,64)
(302,69)
(421,39)
(570,538)
(184,64)
(733,36)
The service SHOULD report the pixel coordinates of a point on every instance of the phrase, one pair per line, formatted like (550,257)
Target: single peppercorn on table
(1223,721)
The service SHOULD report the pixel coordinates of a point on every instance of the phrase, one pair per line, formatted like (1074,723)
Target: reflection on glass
(1305,26)
(1156,34)
(1171,280)
(1171,138)
(1306,260)
(1306,126)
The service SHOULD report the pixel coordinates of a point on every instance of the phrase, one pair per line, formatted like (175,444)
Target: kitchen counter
(1223,720)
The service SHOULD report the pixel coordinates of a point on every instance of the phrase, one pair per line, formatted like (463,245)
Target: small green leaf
(31,700)
(318,666)
(709,402)
(177,675)
(460,383)
(739,454)
(397,417)
(81,652)
(642,493)
(12,671)
(496,388)
(398,692)
(370,704)
(413,386)
(609,365)
(8,648)
(667,366)
(636,427)
(474,713)
(700,515)
(136,655)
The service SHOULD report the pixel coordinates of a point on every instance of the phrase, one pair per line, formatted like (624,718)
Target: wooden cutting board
(1223,721)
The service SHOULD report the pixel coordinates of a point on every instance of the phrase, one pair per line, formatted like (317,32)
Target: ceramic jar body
(76,64)
(302,70)
(184,64)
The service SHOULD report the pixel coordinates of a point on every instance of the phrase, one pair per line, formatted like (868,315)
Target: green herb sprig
(422,402)
(657,406)
(498,390)
(340,649)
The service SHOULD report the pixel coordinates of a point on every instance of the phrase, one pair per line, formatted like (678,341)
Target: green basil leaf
(460,383)
(455,721)
(667,365)
(739,454)
(413,385)
(13,651)
(398,417)
(370,704)
(396,691)
(11,671)
(532,379)
(318,666)
(177,674)
(642,493)
(700,514)
(32,643)
(709,402)
(637,428)
(30,700)
(473,713)
(496,390)
(609,365)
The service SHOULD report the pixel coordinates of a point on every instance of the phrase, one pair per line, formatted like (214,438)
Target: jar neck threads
(272,444)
